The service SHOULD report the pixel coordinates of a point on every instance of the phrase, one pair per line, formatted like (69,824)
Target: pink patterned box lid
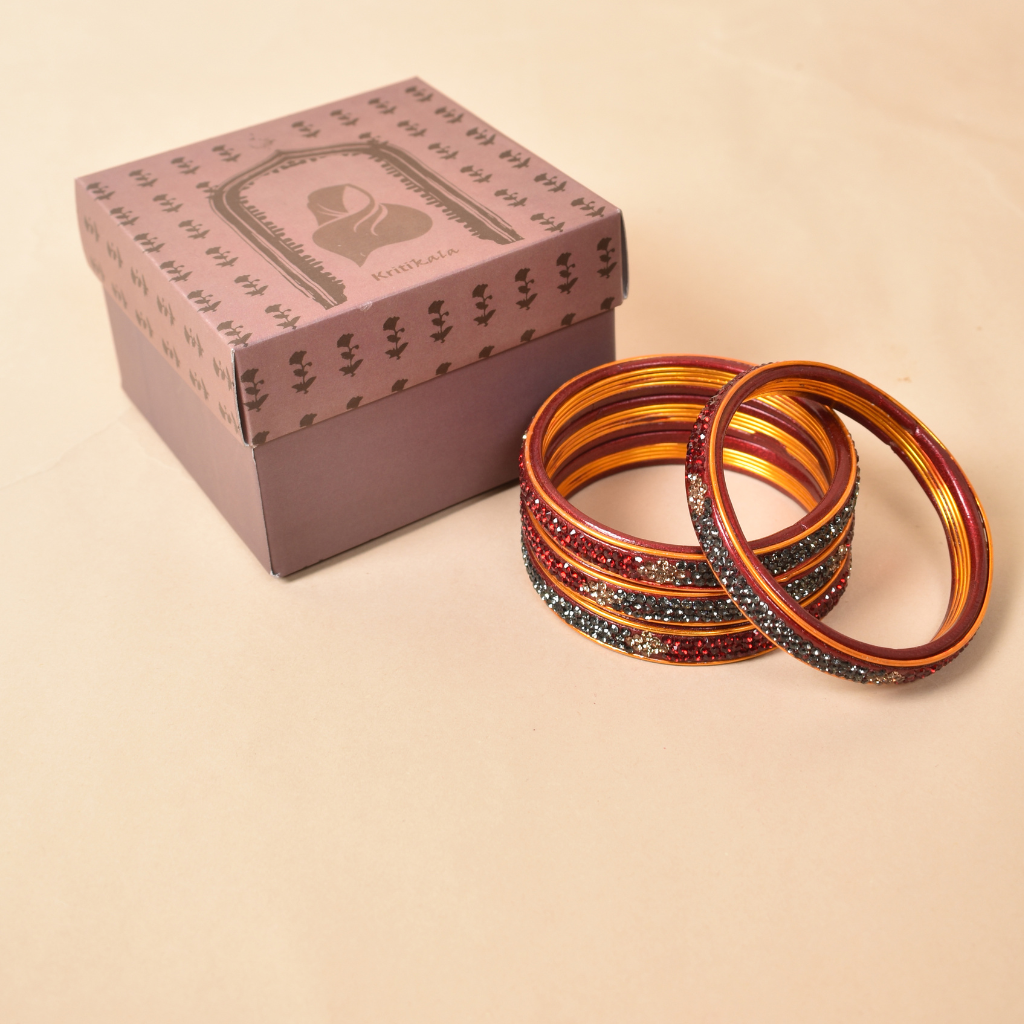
(299,269)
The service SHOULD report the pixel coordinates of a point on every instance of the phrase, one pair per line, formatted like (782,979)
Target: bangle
(605,622)
(736,565)
(667,604)
(662,601)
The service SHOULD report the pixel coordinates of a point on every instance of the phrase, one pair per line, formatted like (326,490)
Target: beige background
(396,787)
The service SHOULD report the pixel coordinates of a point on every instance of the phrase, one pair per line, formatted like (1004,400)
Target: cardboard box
(343,320)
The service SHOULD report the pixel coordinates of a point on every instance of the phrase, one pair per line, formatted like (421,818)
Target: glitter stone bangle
(606,621)
(646,603)
(659,642)
(665,623)
(639,412)
(776,442)
(760,596)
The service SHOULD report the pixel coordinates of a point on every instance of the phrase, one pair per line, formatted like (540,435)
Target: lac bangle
(664,623)
(617,588)
(659,641)
(736,565)
(652,603)
(784,441)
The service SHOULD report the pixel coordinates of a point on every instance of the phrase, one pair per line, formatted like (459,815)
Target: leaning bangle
(761,598)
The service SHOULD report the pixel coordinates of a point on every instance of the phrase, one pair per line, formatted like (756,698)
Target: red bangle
(737,567)
(608,617)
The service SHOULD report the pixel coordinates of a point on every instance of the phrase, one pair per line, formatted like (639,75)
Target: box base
(304,497)
(221,465)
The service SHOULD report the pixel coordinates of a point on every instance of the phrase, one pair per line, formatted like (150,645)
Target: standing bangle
(781,619)
(662,601)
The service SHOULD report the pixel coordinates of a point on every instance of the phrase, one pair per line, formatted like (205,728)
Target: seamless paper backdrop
(396,787)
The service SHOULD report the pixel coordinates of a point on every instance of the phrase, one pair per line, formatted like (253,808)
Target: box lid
(299,269)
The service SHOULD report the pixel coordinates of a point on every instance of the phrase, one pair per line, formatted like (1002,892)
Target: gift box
(343,320)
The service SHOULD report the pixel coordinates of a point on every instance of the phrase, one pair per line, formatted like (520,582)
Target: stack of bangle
(662,602)
(731,598)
